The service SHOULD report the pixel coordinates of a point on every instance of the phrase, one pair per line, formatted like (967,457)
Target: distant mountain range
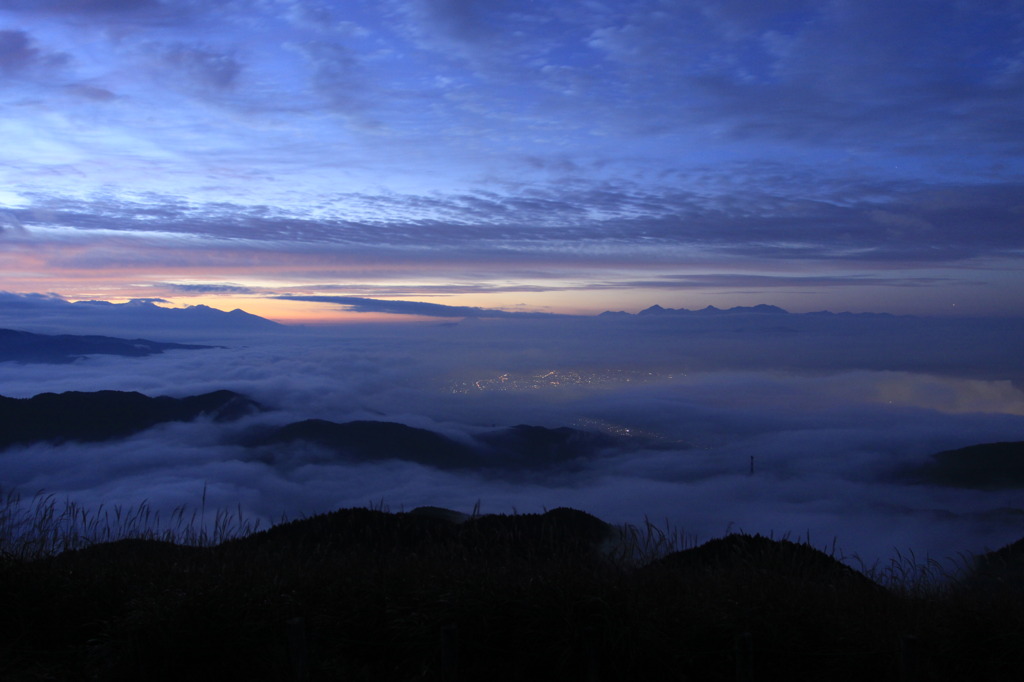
(712,310)
(709,310)
(107,415)
(191,315)
(760,309)
(48,314)
(20,346)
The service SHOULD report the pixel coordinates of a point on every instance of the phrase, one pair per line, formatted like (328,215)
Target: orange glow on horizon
(297,313)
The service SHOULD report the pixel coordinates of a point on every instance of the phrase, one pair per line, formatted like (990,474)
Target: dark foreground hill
(361,594)
(103,415)
(20,346)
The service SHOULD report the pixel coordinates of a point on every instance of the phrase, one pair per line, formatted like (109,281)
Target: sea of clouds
(792,425)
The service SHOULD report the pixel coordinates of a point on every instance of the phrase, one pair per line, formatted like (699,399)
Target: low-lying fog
(827,410)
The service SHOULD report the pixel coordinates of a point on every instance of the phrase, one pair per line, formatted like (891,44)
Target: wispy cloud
(20,55)
(207,288)
(921,224)
(372,305)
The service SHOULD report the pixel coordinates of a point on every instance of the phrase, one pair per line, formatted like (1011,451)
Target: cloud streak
(372,305)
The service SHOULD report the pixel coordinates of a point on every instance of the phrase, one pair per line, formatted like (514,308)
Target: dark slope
(363,441)
(787,561)
(516,448)
(366,594)
(349,531)
(557,534)
(133,554)
(800,613)
(989,466)
(999,570)
(103,415)
(19,346)
(531,447)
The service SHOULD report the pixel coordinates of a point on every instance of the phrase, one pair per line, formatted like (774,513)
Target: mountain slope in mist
(517,447)
(21,346)
(987,466)
(105,415)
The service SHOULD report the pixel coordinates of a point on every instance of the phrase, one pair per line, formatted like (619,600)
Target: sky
(284,156)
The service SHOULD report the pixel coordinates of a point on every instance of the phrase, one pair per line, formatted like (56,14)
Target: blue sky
(562,157)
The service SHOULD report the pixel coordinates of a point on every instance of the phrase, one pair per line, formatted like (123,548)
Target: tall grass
(638,545)
(44,526)
(365,594)
(909,575)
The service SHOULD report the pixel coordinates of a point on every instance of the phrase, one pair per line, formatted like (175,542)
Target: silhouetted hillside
(102,415)
(19,346)
(518,537)
(531,447)
(518,447)
(367,594)
(782,560)
(989,466)
(999,570)
(370,441)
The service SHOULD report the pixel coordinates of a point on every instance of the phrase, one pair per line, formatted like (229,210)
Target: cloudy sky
(565,157)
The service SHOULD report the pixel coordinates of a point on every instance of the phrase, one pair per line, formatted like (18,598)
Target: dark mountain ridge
(188,315)
(104,415)
(563,531)
(51,314)
(761,308)
(368,594)
(364,441)
(26,347)
(514,448)
(986,466)
(784,559)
